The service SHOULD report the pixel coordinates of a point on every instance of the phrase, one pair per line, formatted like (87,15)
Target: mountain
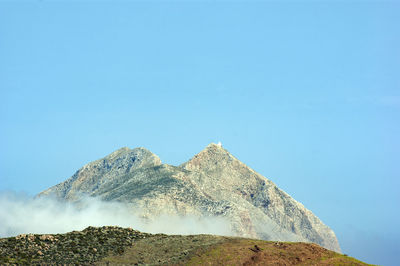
(212,183)
(111,245)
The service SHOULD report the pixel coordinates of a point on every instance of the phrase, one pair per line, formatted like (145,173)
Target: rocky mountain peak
(94,175)
(118,152)
(212,155)
(215,147)
(212,183)
(126,156)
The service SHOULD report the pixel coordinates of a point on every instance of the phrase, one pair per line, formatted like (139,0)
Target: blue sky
(305,93)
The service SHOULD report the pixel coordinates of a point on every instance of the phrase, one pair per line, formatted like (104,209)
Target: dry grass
(214,250)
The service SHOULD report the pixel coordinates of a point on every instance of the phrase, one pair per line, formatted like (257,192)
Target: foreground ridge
(83,247)
(125,246)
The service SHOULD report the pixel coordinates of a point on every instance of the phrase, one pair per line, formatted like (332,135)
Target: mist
(21,214)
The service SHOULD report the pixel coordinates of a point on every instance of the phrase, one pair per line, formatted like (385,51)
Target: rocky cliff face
(212,183)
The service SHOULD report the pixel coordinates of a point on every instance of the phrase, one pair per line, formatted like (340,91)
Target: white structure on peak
(219,143)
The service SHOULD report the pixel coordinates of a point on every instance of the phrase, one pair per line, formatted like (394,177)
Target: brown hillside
(215,250)
(111,245)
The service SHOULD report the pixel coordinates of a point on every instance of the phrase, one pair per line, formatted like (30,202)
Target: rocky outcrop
(77,247)
(212,183)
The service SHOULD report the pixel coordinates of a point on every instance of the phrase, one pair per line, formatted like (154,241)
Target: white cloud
(20,214)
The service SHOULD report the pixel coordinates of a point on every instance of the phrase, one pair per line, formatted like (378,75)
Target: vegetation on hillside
(110,245)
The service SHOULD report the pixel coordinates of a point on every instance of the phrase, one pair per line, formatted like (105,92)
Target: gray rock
(95,175)
(212,183)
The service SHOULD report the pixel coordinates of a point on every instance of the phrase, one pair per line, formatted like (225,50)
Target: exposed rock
(95,175)
(84,247)
(212,183)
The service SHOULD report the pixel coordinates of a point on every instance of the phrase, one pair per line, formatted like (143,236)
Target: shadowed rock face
(212,183)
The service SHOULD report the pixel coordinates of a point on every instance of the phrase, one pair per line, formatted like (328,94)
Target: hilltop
(125,246)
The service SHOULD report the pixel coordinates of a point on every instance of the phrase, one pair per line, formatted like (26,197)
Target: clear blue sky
(305,93)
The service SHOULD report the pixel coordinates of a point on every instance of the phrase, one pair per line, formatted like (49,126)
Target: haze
(21,214)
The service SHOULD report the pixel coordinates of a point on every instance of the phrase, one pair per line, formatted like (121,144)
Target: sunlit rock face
(212,183)
(95,175)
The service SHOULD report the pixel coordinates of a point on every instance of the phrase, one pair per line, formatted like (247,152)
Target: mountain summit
(93,176)
(212,183)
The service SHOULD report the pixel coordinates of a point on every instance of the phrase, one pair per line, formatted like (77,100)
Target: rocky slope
(212,183)
(82,247)
(111,245)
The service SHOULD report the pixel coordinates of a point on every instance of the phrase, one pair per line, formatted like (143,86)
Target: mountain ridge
(211,183)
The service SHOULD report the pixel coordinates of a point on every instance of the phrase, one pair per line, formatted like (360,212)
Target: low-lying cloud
(20,214)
